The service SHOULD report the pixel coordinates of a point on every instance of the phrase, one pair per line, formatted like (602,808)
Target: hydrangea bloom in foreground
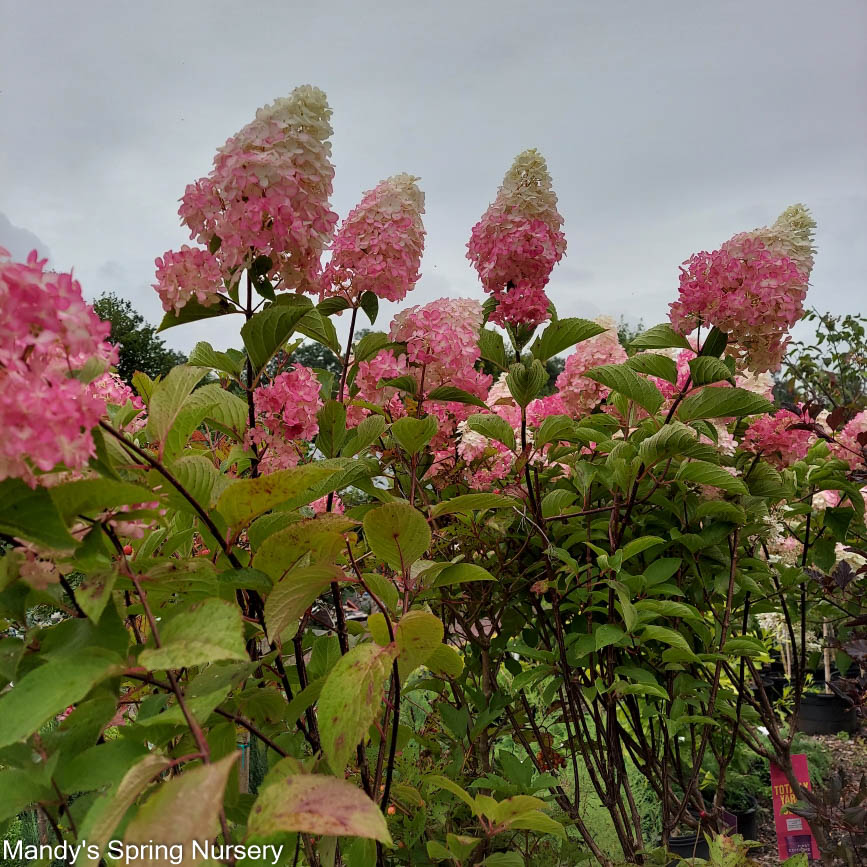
(47,331)
(753,288)
(379,246)
(518,241)
(772,436)
(578,393)
(286,411)
(267,195)
(852,441)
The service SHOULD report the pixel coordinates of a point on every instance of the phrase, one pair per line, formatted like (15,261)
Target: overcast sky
(667,125)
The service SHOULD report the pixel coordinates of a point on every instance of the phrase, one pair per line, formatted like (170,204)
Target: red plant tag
(793,832)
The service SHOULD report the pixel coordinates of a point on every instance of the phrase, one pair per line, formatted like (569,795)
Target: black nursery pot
(823,714)
(689,846)
(747,820)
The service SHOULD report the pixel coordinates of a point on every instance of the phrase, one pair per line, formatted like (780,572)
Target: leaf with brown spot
(350,699)
(316,804)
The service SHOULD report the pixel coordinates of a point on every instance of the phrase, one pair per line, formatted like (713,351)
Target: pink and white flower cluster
(379,246)
(774,437)
(47,333)
(753,288)
(286,410)
(189,272)
(578,393)
(267,195)
(852,442)
(518,241)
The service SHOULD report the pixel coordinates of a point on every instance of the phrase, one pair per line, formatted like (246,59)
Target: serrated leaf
(703,473)
(369,303)
(50,688)
(30,513)
(109,808)
(332,428)
(712,402)
(93,593)
(351,699)
(206,631)
(445,660)
(706,369)
(367,433)
(661,336)
(193,311)
(417,635)
(525,381)
(169,399)
(87,496)
(492,348)
(267,331)
(316,804)
(313,541)
(316,327)
(397,533)
(466,503)
(295,593)
(563,334)
(666,636)
(675,440)
(493,427)
(405,383)
(625,381)
(204,355)
(183,808)
(450,394)
(555,428)
(461,573)
(654,365)
(413,434)
(246,499)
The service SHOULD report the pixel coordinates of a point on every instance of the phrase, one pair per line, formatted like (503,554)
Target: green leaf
(246,499)
(318,540)
(504,859)
(397,533)
(93,593)
(316,804)
(744,647)
(108,809)
(96,495)
(714,402)
(450,394)
(461,573)
(607,634)
(221,408)
(367,433)
(440,782)
(625,381)
(555,428)
(492,348)
(169,399)
(332,428)
(413,434)
(204,355)
(466,503)
(654,365)
(636,546)
(50,688)
(183,808)
(330,306)
(369,303)
(703,473)
(206,631)
(706,369)
(661,336)
(437,852)
(316,327)
(540,823)
(675,440)
(370,345)
(493,427)
(666,636)
(417,635)
(267,331)
(405,383)
(525,381)
(563,334)
(445,660)
(31,514)
(351,699)
(715,343)
(295,593)
(193,311)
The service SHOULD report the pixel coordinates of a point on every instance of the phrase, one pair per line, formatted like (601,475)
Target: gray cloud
(667,127)
(19,242)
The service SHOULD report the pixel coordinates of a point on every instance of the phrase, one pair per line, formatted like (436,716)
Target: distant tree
(317,356)
(830,370)
(139,348)
(627,332)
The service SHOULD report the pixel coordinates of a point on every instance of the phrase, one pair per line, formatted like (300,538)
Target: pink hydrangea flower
(772,436)
(267,195)
(852,441)
(320,506)
(47,332)
(379,246)
(579,394)
(753,287)
(286,411)
(190,272)
(518,241)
